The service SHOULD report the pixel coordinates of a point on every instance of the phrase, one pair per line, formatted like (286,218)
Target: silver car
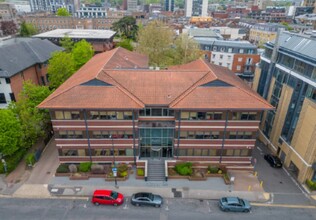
(148,199)
(234,204)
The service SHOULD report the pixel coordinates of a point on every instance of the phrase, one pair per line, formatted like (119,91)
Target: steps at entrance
(156,170)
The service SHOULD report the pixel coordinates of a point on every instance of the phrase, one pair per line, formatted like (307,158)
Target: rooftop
(78,33)
(17,54)
(196,85)
(228,43)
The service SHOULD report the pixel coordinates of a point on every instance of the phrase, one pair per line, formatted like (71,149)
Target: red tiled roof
(127,87)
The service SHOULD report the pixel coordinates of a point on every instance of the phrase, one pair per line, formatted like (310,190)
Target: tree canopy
(126,43)
(185,50)
(62,12)
(67,43)
(155,40)
(126,27)
(33,121)
(81,53)
(10,132)
(61,67)
(27,29)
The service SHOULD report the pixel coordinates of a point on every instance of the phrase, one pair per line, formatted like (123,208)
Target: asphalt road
(279,182)
(174,209)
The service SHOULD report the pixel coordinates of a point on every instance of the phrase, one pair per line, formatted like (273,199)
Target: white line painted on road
(284,205)
(167,208)
(272,199)
(259,149)
(295,182)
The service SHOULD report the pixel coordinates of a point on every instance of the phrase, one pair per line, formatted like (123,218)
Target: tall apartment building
(238,56)
(286,77)
(193,112)
(169,5)
(196,8)
(131,5)
(52,5)
(263,32)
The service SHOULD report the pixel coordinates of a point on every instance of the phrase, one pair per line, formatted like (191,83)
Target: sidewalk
(212,188)
(40,182)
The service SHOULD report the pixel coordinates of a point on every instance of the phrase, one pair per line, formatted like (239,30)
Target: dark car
(274,161)
(107,197)
(234,204)
(144,198)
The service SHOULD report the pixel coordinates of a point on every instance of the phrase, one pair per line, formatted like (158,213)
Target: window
(7,80)
(230,50)
(12,97)
(241,50)
(239,59)
(220,64)
(215,48)
(214,55)
(220,56)
(2,98)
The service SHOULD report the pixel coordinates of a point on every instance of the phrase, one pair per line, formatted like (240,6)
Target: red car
(107,197)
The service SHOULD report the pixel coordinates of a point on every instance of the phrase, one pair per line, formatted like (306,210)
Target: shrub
(311,184)
(213,169)
(97,169)
(85,167)
(30,159)
(73,168)
(140,172)
(122,174)
(184,168)
(122,168)
(63,168)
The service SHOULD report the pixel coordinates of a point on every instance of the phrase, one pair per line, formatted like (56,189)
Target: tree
(126,43)
(155,40)
(27,29)
(10,132)
(67,43)
(62,12)
(126,27)
(81,53)
(186,50)
(34,122)
(61,67)
(8,27)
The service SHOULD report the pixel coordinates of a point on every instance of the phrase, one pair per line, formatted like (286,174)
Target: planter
(62,174)
(214,175)
(197,178)
(177,177)
(91,175)
(79,177)
(117,178)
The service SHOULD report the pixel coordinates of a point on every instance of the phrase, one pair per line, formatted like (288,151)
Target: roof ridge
(124,90)
(27,46)
(187,91)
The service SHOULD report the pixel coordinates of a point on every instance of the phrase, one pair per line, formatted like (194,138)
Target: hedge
(184,169)
(63,168)
(85,167)
(311,184)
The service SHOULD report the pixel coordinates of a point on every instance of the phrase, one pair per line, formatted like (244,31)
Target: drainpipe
(87,133)
(224,136)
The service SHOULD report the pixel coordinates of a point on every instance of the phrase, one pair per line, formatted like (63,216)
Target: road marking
(167,208)
(272,198)
(259,149)
(284,205)
(295,182)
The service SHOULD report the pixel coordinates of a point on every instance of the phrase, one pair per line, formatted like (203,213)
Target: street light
(114,169)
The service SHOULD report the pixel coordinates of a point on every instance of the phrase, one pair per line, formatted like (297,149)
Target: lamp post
(114,169)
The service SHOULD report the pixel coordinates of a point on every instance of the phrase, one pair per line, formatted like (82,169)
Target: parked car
(274,161)
(144,198)
(234,204)
(107,197)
